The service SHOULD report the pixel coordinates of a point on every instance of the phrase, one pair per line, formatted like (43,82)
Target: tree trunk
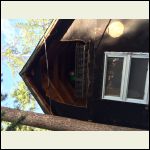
(56,123)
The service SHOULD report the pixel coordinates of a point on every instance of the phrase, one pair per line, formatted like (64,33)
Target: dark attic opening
(66,78)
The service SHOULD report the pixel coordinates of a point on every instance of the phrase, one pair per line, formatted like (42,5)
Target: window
(126,77)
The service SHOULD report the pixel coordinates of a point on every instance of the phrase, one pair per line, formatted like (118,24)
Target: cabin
(94,70)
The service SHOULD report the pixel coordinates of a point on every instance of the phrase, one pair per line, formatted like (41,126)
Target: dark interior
(66,62)
(61,74)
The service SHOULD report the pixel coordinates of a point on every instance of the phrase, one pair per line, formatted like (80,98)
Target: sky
(8,34)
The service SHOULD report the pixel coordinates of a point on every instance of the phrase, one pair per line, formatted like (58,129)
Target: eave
(52,35)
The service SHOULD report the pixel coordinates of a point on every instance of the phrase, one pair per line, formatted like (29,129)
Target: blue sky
(8,34)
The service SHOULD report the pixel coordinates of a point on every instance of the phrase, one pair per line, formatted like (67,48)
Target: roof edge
(39,45)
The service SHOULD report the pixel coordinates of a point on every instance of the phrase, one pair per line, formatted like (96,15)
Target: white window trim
(117,98)
(125,77)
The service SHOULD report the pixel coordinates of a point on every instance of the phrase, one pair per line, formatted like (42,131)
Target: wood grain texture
(57,123)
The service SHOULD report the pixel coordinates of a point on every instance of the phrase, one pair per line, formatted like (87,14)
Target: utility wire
(47,71)
(46,61)
(103,34)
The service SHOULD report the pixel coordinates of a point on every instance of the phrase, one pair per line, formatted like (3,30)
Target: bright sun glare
(115,29)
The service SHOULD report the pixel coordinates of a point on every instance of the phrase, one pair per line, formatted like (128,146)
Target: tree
(56,123)
(31,31)
(3,96)
(24,99)
(16,54)
(15,125)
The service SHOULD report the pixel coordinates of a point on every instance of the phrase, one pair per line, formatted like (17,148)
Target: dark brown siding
(112,112)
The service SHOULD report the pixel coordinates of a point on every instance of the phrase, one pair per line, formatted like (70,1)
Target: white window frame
(125,77)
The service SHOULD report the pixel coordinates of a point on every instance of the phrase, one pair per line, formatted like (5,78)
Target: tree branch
(56,123)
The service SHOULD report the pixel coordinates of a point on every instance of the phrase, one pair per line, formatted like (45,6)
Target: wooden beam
(56,123)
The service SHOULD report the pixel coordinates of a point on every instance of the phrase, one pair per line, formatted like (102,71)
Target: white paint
(125,77)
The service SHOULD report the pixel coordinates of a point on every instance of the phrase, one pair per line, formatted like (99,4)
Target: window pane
(137,78)
(113,76)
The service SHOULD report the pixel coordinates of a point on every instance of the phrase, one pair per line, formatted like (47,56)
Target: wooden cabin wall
(134,39)
(121,113)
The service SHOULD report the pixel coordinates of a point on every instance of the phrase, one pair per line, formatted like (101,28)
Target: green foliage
(24,43)
(24,101)
(14,62)
(2,114)
(14,124)
(31,32)
(16,54)
(28,128)
(6,126)
(23,98)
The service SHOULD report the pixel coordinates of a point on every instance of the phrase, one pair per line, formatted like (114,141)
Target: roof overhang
(52,35)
